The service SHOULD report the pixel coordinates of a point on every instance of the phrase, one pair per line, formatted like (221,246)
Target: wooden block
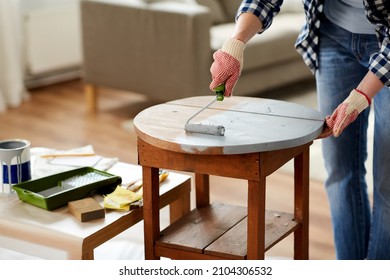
(86,209)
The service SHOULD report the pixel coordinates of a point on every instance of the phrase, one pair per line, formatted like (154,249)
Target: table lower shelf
(219,231)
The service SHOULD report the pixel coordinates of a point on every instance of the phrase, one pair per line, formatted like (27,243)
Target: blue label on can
(24,169)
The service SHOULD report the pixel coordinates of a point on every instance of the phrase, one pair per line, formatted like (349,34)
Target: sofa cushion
(216,10)
(268,48)
(230,7)
(217,13)
(292,6)
(179,1)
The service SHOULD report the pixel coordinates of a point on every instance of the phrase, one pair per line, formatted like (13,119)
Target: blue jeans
(361,230)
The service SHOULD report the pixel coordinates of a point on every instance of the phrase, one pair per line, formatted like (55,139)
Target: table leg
(91,92)
(88,255)
(301,202)
(181,206)
(151,211)
(202,190)
(256,219)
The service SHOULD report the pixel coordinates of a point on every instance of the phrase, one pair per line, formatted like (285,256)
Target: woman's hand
(227,65)
(345,113)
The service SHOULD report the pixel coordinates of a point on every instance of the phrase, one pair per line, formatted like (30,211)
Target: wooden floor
(56,117)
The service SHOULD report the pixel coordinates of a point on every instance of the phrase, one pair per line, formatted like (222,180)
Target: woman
(346,44)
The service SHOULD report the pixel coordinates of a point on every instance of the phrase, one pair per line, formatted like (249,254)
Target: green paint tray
(57,190)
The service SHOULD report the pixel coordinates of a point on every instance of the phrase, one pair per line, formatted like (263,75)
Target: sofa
(163,48)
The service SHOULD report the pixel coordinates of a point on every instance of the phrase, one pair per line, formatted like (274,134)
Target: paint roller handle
(220,92)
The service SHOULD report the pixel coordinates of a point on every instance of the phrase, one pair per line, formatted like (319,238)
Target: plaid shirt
(307,42)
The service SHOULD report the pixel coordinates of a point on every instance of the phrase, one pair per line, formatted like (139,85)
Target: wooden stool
(261,136)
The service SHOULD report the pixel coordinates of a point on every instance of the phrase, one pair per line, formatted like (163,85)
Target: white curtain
(12,89)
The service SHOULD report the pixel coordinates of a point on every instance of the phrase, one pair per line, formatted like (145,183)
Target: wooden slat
(177,254)
(233,244)
(220,232)
(278,226)
(201,227)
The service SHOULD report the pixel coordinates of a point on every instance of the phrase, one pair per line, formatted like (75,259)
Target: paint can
(15,163)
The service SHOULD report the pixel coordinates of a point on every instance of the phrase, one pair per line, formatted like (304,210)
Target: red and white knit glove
(227,65)
(346,112)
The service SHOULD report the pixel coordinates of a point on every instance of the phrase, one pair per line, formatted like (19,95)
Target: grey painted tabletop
(251,125)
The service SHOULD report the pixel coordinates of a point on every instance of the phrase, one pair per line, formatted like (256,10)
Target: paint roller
(211,129)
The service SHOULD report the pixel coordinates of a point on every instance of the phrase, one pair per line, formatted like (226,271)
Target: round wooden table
(261,135)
